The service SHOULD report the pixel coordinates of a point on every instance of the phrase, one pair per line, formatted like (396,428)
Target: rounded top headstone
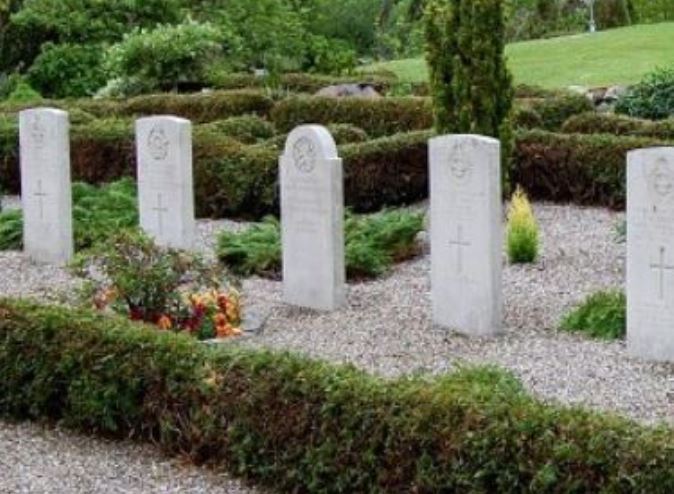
(307,141)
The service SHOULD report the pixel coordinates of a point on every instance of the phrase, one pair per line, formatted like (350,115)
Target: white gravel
(386,326)
(41,460)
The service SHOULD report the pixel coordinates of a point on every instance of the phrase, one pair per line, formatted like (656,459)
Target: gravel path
(39,460)
(386,326)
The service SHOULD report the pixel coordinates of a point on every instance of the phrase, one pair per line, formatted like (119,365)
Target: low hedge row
(378,117)
(605,123)
(197,107)
(583,169)
(304,426)
(300,82)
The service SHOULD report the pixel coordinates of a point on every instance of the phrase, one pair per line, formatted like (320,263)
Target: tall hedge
(303,426)
(471,86)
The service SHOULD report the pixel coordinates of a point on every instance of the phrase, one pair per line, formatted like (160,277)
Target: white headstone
(45,185)
(466,233)
(650,253)
(165,187)
(312,219)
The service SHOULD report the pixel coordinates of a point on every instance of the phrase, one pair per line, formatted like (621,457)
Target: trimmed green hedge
(304,426)
(301,83)
(197,107)
(583,169)
(378,117)
(605,123)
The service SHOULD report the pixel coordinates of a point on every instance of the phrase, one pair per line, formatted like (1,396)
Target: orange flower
(165,322)
(222,301)
(224,331)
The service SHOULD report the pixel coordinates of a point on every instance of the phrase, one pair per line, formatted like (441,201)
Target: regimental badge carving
(460,167)
(158,144)
(304,155)
(38,132)
(661,179)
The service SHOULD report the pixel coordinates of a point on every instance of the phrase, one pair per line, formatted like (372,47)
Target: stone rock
(650,253)
(466,233)
(349,90)
(614,93)
(312,220)
(45,185)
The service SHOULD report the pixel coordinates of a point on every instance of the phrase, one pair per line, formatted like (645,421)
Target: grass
(616,56)
(373,243)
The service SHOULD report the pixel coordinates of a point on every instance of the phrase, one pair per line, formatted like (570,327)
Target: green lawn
(617,56)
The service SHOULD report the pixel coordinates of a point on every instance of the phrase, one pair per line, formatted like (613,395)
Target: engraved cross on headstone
(160,212)
(40,194)
(662,267)
(460,243)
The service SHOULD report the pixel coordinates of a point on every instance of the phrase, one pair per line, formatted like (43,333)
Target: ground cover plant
(373,244)
(652,98)
(301,425)
(98,212)
(601,315)
(131,275)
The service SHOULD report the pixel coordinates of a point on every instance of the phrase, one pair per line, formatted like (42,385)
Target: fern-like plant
(522,230)
(601,315)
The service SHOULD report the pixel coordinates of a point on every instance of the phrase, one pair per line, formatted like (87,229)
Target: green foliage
(68,70)
(248,129)
(613,13)
(373,243)
(602,315)
(24,93)
(554,111)
(329,56)
(298,425)
(470,84)
(582,169)
(167,55)
(521,230)
(620,125)
(146,279)
(11,230)
(98,213)
(256,250)
(377,117)
(77,22)
(347,133)
(652,98)
(654,10)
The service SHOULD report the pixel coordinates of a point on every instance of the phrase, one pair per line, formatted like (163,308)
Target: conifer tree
(471,86)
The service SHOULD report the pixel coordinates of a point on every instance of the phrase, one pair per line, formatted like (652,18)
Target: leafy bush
(11,230)
(67,71)
(377,117)
(652,98)
(613,13)
(527,118)
(23,93)
(373,243)
(97,213)
(248,129)
(554,111)
(522,230)
(305,426)
(168,54)
(347,133)
(606,123)
(583,169)
(330,56)
(133,276)
(601,315)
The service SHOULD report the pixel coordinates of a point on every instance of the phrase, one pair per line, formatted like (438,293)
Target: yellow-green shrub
(522,230)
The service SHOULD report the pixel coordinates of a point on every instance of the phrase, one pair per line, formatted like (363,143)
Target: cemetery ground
(600,59)
(386,326)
